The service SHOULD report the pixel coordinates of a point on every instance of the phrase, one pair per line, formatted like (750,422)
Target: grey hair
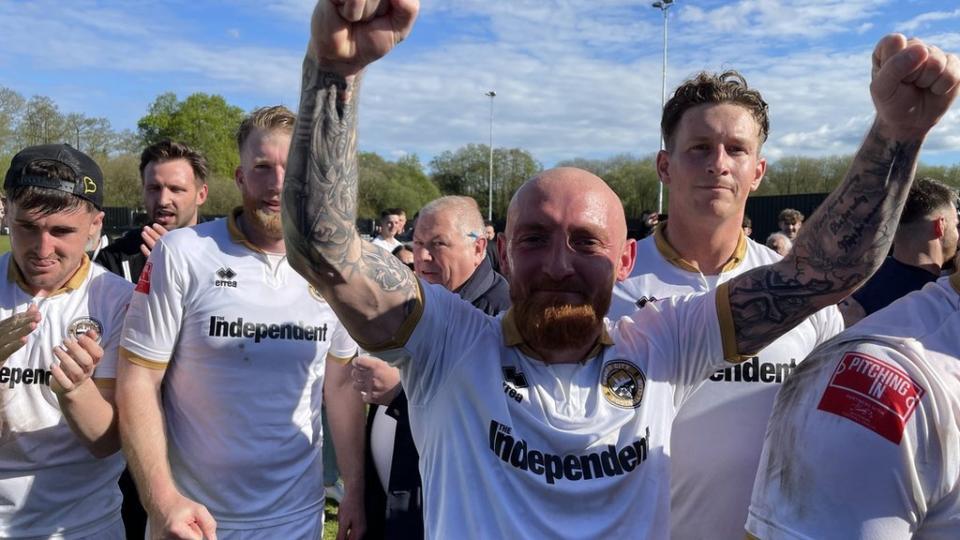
(465,210)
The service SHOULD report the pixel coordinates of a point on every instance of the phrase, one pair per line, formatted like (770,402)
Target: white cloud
(926,18)
(573,79)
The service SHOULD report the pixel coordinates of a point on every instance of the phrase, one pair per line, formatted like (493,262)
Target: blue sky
(573,78)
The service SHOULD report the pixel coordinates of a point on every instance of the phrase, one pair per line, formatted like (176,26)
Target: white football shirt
(718,433)
(244,340)
(864,440)
(49,482)
(512,447)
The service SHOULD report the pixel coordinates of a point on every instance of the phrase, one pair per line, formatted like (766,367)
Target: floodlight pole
(663,6)
(491,94)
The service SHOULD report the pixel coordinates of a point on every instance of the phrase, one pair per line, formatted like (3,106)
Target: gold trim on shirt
(339,359)
(140,361)
(107,384)
(728,331)
(673,257)
(236,235)
(406,329)
(512,338)
(15,275)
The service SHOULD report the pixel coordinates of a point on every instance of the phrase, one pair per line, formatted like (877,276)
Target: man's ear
(202,194)
(628,257)
(663,166)
(939,227)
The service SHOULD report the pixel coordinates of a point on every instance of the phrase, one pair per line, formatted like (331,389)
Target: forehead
(719,119)
(438,223)
(262,143)
(174,170)
(563,206)
(70,218)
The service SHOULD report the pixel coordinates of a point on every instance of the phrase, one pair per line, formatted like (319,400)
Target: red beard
(552,325)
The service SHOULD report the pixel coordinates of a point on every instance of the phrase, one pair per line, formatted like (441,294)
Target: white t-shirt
(511,447)
(50,484)
(244,340)
(718,433)
(864,440)
(388,245)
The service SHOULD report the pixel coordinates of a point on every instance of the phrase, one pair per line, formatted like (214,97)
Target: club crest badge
(80,325)
(622,384)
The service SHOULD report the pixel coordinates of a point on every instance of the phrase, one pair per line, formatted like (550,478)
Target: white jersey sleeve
(431,351)
(341,344)
(862,443)
(685,334)
(156,307)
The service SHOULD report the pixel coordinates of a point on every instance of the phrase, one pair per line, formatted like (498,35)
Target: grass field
(4,244)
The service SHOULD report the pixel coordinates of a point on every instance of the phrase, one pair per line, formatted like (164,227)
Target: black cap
(87,182)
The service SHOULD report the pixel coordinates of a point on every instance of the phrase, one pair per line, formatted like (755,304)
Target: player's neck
(930,258)
(568,355)
(707,244)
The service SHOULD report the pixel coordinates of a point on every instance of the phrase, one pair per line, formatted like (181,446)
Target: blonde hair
(276,118)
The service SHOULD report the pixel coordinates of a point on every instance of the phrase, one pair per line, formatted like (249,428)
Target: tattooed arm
(848,236)
(371,291)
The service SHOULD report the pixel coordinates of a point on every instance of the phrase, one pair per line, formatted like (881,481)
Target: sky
(572,78)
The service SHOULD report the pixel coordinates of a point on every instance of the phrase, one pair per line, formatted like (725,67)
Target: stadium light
(663,6)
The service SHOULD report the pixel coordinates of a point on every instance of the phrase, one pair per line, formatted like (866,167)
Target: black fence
(763,212)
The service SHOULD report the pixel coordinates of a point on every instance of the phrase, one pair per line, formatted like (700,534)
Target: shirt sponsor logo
(81,325)
(513,379)
(225,277)
(872,393)
(143,284)
(622,384)
(612,461)
(258,331)
(13,376)
(753,370)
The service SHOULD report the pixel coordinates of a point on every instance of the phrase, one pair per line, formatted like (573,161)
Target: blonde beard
(269,223)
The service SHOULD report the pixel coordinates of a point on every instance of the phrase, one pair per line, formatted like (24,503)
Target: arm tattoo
(320,204)
(837,249)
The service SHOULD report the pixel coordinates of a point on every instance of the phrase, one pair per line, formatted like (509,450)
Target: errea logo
(225,277)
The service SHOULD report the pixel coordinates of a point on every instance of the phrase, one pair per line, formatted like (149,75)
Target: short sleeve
(156,309)
(447,329)
(854,449)
(681,335)
(342,346)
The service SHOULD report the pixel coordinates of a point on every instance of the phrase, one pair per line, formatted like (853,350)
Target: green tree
(466,171)
(12,107)
(386,184)
(203,121)
(42,123)
(634,179)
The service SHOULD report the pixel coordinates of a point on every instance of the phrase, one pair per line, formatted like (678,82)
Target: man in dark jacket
(449,250)
(174,180)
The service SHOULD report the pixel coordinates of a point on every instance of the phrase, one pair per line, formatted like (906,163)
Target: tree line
(208,123)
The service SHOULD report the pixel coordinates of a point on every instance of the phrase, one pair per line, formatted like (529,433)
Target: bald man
(548,421)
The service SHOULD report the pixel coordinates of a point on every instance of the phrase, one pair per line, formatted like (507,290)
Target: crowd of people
(556,380)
